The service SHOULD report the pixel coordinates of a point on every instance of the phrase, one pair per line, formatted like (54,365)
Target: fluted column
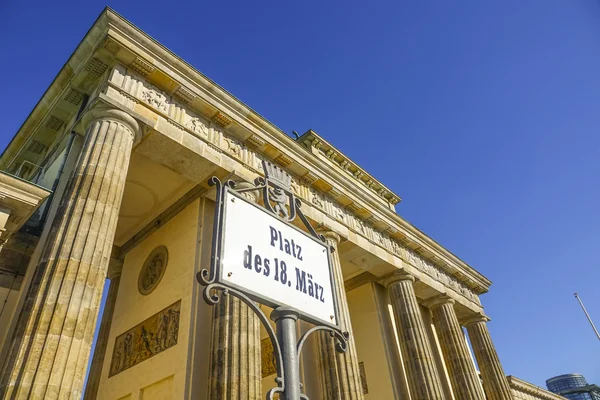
(114,274)
(423,379)
(340,375)
(463,376)
(495,383)
(235,353)
(51,345)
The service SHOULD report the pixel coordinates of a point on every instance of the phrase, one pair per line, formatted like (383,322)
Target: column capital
(473,319)
(331,237)
(397,276)
(438,301)
(106,112)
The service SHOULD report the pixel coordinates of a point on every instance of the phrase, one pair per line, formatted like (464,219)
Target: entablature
(325,150)
(174,119)
(168,95)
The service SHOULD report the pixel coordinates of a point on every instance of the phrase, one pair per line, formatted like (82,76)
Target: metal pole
(285,323)
(587,315)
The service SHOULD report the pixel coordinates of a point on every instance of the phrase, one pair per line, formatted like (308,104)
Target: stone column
(114,274)
(51,344)
(463,376)
(495,383)
(235,346)
(340,375)
(423,379)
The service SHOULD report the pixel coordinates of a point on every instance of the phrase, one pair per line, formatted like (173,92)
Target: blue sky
(483,116)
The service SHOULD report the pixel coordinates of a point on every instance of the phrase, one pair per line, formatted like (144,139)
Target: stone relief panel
(316,198)
(153,270)
(155,98)
(197,125)
(145,340)
(135,86)
(234,147)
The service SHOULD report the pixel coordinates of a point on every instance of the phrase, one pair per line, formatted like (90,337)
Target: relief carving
(295,187)
(153,270)
(440,275)
(234,147)
(316,198)
(378,237)
(154,335)
(360,224)
(155,99)
(197,125)
(338,212)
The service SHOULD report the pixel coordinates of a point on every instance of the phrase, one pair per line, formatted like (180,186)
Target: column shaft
(235,353)
(463,376)
(51,345)
(93,382)
(423,379)
(495,383)
(340,375)
(235,363)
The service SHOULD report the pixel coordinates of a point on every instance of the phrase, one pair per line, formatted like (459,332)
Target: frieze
(345,164)
(147,339)
(156,99)
(212,132)
(197,125)
(234,147)
(317,198)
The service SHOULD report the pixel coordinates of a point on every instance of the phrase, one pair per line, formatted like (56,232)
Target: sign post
(258,255)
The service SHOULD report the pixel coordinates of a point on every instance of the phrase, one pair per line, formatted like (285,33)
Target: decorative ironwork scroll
(279,201)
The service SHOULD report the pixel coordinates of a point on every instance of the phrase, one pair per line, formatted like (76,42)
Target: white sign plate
(272,261)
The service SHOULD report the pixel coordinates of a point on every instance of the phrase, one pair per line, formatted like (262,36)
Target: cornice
(60,90)
(21,190)
(526,387)
(313,141)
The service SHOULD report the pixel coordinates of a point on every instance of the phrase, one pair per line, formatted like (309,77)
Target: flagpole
(588,316)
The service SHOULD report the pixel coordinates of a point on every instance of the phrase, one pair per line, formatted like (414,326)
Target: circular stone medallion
(153,270)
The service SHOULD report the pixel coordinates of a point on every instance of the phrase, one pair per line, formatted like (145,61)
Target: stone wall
(157,354)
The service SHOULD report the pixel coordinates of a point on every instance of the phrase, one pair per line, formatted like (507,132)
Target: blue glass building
(573,387)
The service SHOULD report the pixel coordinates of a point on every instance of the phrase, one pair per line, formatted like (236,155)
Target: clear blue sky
(483,116)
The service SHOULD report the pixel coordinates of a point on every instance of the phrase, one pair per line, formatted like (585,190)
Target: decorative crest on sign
(277,175)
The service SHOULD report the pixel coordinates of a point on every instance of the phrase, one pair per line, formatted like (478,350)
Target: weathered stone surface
(423,379)
(50,348)
(463,376)
(235,361)
(340,374)
(114,274)
(494,380)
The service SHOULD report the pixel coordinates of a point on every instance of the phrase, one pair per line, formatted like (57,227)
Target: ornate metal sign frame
(279,201)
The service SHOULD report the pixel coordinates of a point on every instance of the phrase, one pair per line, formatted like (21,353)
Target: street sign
(274,262)
(259,255)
